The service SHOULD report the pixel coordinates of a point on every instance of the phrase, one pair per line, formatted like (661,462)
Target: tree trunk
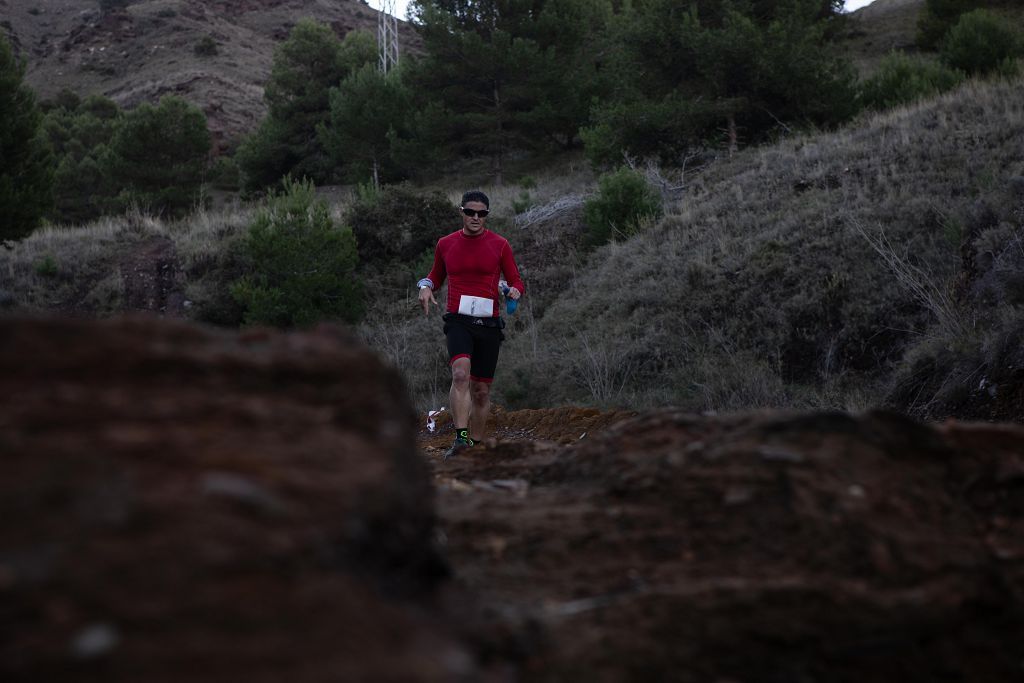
(733,136)
(499,137)
(376,175)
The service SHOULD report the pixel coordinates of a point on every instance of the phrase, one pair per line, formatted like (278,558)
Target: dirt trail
(149,279)
(771,547)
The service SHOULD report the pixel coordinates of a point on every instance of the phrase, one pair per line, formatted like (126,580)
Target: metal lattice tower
(387,36)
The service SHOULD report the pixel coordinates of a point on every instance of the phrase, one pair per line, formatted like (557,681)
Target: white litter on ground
(431,424)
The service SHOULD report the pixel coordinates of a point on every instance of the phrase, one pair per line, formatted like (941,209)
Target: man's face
(473,225)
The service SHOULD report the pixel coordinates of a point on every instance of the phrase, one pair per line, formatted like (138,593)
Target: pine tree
(306,66)
(26,165)
(79,133)
(159,155)
(732,70)
(510,73)
(367,110)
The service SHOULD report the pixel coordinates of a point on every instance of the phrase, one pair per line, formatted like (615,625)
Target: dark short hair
(476,196)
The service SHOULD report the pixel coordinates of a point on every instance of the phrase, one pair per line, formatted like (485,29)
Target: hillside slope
(761,287)
(146,50)
(878,29)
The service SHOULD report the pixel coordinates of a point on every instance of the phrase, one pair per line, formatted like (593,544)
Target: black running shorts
(478,343)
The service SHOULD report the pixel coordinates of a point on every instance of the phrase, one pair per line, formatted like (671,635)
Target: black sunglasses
(472,212)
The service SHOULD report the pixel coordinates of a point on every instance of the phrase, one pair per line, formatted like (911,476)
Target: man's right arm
(434,280)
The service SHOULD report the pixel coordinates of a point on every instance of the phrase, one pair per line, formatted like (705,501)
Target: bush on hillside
(26,174)
(902,79)
(206,47)
(982,43)
(396,224)
(108,6)
(225,174)
(623,201)
(666,129)
(301,264)
(938,17)
(65,99)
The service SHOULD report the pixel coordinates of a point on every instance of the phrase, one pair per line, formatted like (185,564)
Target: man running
(473,259)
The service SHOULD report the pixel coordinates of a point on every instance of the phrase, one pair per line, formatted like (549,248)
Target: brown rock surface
(773,547)
(183,504)
(188,505)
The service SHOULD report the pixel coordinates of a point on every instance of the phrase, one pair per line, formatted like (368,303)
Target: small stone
(778,455)
(95,640)
(242,490)
(737,495)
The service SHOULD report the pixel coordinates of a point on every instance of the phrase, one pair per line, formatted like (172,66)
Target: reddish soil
(770,547)
(183,504)
(149,275)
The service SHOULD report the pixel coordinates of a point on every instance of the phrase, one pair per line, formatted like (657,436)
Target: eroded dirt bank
(182,504)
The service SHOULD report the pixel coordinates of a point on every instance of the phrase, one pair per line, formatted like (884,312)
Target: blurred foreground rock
(178,504)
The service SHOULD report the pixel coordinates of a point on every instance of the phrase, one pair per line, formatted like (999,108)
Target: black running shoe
(459,445)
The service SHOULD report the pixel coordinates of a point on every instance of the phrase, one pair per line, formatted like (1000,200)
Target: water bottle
(510,304)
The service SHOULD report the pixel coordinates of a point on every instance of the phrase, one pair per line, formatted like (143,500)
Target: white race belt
(476,306)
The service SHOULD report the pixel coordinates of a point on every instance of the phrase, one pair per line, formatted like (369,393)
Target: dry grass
(63,268)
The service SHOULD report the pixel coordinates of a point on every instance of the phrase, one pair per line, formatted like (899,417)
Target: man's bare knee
(460,376)
(481,393)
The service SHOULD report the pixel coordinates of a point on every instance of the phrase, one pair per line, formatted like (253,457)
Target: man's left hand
(513,293)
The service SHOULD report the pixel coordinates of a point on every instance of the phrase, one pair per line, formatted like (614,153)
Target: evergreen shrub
(206,47)
(937,17)
(623,201)
(396,224)
(982,43)
(301,264)
(26,163)
(902,79)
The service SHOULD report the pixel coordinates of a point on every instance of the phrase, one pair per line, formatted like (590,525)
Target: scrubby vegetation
(902,79)
(981,43)
(624,201)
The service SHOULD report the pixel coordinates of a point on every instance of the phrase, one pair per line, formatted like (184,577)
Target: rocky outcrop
(147,49)
(181,504)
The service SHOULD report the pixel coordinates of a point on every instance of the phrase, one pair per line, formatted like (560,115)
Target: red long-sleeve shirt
(473,266)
